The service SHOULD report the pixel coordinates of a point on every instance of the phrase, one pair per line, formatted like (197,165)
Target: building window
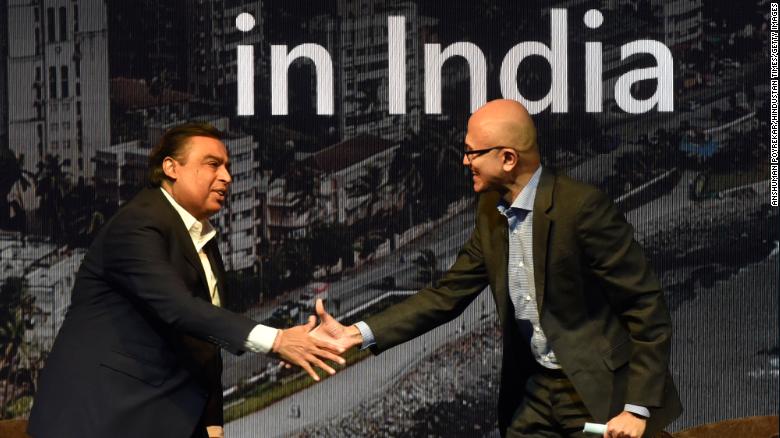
(63,23)
(78,69)
(78,88)
(75,18)
(37,41)
(78,108)
(52,82)
(37,13)
(65,86)
(50,24)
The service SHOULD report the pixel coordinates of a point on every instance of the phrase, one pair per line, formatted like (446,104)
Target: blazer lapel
(500,251)
(215,259)
(541,231)
(183,236)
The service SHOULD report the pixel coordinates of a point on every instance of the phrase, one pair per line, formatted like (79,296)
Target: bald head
(502,122)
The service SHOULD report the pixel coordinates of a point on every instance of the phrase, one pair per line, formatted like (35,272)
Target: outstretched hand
(330,330)
(298,346)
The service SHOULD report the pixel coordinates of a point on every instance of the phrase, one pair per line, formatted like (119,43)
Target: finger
(330,356)
(322,365)
(305,365)
(328,345)
(312,322)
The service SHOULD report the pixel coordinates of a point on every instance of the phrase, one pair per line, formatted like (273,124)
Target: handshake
(311,344)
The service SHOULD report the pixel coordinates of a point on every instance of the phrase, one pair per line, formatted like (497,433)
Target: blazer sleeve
(634,293)
(135,258)
(433,306)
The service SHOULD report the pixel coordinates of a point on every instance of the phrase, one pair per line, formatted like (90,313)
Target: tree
(302,187)
(329,243)
(367,189)
(404,175)
(12,173)
(19,362)
(52,186)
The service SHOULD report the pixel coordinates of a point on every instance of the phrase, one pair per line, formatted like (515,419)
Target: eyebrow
(219,159)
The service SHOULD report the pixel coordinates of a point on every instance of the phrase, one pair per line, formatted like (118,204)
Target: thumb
(320,308)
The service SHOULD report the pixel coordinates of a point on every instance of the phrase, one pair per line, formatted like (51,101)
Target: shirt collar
(525,200)
(200,231)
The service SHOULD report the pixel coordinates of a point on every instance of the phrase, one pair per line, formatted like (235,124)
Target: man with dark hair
(139,351)
(586,331)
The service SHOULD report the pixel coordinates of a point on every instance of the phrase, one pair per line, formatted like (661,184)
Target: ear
(509,159)
(170,168)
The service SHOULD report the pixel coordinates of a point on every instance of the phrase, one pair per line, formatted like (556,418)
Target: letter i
(246,68)
(593,65)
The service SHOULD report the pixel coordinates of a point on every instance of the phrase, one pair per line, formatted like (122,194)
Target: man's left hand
(625,425)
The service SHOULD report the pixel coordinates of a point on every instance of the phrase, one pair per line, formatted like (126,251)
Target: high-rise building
(185,45)
(3,75)
(213,38)
(681,23)
(57,80)
(357,39)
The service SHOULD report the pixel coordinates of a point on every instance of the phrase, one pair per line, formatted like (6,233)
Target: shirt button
(515,232)
(528,298)
(521,264)
(546,359)
(536,329)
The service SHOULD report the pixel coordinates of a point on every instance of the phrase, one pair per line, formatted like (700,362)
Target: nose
(466,161)
(224,175)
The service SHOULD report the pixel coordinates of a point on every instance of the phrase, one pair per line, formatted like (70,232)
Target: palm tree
(367,188)
(52,186)
(443,179)
(12,173)
(302,187)
(404,175)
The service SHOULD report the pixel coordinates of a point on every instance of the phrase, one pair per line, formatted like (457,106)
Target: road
(445,240)
(364,380)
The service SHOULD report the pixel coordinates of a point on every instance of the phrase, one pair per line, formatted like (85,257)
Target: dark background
(367,205)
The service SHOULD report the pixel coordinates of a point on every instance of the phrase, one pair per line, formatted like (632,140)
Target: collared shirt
(261,338)
(201,232)
(520,269)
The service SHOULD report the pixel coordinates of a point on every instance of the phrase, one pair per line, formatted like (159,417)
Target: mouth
(221,192)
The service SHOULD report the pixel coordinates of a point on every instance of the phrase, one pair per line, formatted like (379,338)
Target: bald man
(585,327)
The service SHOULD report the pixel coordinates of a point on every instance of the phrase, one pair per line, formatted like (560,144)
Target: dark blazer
(600,304)
(138,352)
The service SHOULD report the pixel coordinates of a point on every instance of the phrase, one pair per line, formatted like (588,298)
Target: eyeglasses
(470,155)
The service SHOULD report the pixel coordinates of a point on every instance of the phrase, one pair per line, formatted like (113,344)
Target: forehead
(198,146)
(477,137)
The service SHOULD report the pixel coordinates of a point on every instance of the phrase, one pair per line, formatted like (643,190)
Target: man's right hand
(333,331)
(296,346)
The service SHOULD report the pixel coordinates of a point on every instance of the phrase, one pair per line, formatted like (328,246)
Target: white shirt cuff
(368,335)
(261,339)
(639,410)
